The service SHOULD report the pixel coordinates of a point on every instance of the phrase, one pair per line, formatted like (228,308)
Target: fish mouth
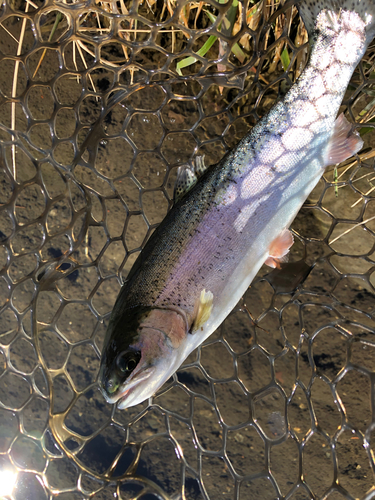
(123,401)
(109,399)
(119,399)
(131,394)
(129,398)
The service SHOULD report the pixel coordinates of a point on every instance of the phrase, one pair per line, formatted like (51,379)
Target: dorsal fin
(187,177)
(199,166)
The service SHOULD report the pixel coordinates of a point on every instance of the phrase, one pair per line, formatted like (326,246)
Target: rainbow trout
(225,225)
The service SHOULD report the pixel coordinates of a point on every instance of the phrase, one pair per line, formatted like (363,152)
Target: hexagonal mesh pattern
(100,102)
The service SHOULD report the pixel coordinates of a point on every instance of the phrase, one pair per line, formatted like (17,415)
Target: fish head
(141,351)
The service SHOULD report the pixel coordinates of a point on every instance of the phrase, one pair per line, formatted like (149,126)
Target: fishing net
(100,102)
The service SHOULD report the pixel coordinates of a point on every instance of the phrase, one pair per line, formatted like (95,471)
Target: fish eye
(127,361)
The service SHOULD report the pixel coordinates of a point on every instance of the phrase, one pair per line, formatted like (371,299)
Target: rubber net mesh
(100,102)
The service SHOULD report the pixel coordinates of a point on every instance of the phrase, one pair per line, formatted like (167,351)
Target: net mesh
(100,102)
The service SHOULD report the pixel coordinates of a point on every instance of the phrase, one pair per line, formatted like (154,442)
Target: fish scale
(205,253)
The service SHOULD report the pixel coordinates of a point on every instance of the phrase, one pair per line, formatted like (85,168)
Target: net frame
(64,254)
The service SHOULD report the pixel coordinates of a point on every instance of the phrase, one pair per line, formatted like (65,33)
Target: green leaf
(366,109)
(365,130)
(230,18)
(238,52)
(184,63)
(210,16)
(335,180)
(285,61)
(228,22)
(207,45)
(201,52)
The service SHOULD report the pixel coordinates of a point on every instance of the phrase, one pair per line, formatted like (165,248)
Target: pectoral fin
(279,249)
(344,143)
(203,308)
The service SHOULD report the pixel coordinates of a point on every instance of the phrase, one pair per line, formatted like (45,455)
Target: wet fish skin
(220,233)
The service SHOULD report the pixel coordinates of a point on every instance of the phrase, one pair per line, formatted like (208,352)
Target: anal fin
(279,249)
(344,143)
(203,308)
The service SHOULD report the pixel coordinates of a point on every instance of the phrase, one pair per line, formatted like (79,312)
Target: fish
(230,218)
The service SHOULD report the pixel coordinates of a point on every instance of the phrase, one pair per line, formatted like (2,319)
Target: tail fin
(310,9)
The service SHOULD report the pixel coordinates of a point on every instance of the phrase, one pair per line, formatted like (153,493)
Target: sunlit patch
(289,158)
(7,481)
(317,87)
(303,113)
(323,125)
(257,181)
(296,138)
(324,105)
(350,40)
(348,46)
(228,196)
(324,60)
(272,153)
(246,212)
(333,77)
(244,216)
